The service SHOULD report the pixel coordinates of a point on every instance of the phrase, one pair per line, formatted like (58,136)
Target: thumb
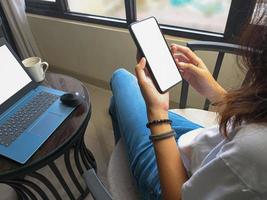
(139,70)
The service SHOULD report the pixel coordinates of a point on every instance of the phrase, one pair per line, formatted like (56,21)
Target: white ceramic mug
(36,68)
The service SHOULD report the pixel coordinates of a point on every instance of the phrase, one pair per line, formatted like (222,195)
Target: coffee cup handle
(45,66)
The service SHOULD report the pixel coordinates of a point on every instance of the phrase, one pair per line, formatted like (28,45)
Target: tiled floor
(98,138)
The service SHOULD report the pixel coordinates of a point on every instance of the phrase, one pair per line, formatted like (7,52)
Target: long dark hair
(249,103)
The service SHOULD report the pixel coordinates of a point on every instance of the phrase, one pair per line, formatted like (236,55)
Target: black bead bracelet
(157,122)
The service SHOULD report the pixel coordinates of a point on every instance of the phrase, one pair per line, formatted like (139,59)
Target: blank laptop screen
(12,76)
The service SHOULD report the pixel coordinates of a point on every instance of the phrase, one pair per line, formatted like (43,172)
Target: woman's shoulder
(246,154)
(249,140)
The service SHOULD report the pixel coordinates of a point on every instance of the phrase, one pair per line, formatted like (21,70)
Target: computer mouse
(71,99)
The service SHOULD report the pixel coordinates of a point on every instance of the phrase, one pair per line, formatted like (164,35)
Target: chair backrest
(222,49)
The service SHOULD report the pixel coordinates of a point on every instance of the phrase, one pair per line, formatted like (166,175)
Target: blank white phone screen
(157,53)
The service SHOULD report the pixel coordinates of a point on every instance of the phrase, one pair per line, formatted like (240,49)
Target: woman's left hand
(157,103)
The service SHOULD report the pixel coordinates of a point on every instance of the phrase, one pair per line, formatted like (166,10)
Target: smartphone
(153,46)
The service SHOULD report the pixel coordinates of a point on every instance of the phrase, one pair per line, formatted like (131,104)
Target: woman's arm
(171,171)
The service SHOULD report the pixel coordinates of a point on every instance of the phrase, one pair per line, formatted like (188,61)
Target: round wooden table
(66,140)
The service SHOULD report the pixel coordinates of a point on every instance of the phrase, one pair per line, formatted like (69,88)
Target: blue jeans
(129,118)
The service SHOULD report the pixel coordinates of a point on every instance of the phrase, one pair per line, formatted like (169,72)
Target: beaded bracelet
(162,136)
(160,121)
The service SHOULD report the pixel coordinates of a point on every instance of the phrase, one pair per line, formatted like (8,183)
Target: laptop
(29,112)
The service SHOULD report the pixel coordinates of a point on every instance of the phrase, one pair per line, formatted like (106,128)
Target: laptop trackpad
(47,124)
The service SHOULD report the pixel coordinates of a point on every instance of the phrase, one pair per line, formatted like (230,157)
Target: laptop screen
(12,76)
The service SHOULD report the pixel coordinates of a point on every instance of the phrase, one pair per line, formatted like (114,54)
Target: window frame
(238,14)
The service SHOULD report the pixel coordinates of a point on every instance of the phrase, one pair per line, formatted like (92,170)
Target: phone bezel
(143,55)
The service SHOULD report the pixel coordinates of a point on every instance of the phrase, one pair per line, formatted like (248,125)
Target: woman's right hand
(195,72)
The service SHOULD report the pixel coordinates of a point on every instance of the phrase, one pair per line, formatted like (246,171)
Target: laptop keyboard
(24,117)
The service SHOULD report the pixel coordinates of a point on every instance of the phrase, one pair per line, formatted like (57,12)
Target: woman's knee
(121,72)
(119,75)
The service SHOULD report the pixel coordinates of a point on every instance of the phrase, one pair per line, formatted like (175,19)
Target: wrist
(218,95)
(157,114)
(160,128)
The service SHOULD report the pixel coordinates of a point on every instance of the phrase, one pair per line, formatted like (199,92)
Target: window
(215,20)
(46,0)
(208,15)
(108,8)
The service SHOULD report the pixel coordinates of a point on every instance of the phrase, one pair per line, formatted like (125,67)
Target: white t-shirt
(225,169)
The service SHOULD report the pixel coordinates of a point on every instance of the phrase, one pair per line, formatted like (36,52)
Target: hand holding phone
(153,46)
(157,104)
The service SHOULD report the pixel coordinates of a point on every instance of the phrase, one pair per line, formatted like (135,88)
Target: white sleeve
(216,181)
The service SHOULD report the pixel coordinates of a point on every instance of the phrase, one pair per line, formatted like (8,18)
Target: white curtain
(17,20)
